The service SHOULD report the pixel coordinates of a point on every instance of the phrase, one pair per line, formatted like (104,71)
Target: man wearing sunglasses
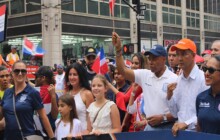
(182,94)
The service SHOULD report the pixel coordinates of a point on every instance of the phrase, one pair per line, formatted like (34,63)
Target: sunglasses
(22,71)
(210,70)
(6,75)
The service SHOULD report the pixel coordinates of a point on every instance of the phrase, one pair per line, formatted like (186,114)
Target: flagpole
(113,23)
(22,47)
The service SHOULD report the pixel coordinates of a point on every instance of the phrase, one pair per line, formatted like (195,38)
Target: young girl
(103,114)
(68,125)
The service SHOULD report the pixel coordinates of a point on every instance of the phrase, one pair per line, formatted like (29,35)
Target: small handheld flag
(100,66)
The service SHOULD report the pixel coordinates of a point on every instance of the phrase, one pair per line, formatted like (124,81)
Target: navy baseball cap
(157,50)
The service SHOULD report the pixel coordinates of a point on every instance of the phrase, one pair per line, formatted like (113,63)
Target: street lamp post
(139,17)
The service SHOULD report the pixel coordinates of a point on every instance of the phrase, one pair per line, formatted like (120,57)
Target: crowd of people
(144,96)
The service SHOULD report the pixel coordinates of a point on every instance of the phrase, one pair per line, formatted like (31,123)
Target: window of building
(125,13)
(93,7)
(171,16)
(193,19)
(33,7)
(80,6)
(117,11)
(17,6)
(212,6)
(150,14)
(172,2)
(67,5)
(192,4)
(212,23)
(104,9)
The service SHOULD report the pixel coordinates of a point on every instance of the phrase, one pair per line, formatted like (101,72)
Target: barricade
(152,135)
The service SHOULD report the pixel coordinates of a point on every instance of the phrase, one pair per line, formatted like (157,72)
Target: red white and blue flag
(31,49)
(100,65)
(2,23)
(111,6)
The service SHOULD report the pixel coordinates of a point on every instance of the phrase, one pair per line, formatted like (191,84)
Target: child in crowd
(68,125)
(103,114)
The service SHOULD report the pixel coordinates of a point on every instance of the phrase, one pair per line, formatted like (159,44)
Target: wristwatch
(164,118)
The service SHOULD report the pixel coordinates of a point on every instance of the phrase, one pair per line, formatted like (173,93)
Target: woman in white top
(78,86)
(68,125)
(103,114)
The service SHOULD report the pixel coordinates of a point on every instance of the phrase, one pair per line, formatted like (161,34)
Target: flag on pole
(30,48)
(111,6)
(3,16)
(100,65)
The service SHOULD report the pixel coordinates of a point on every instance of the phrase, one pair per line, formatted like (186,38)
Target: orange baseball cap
(184,44)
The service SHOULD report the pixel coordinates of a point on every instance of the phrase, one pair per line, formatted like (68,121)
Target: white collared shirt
(154,90)
(183,102)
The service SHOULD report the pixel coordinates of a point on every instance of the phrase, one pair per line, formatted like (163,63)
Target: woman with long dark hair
(78,86)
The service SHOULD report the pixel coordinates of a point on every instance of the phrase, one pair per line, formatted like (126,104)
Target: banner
(3,17)
(153,135)
(30,71)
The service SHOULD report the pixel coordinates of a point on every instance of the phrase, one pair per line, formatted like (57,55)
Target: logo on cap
(154,47)
(91,50)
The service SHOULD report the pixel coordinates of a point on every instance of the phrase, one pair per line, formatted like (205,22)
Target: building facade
(64,28)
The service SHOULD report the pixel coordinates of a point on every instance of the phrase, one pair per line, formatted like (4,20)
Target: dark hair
(83,80)
(140,59)
(47,72)
(217,57)
(69,100)
(169,46)
(3,68)
(19,61)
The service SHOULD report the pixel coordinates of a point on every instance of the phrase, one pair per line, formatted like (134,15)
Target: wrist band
(118,53)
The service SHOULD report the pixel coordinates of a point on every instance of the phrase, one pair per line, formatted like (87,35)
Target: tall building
(64,28)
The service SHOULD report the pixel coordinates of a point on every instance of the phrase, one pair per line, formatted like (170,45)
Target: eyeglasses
(210,70)
(22,71)
(6,75)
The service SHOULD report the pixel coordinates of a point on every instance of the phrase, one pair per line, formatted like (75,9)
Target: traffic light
(128,49)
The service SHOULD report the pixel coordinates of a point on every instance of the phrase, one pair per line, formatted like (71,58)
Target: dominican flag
(111,6)
(100,66)
(2,23)
(31,49)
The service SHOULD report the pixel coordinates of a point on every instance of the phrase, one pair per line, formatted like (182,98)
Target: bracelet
(118,53)
(132,93)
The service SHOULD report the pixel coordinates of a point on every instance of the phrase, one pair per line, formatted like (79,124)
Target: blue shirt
(208,112)
(25,103)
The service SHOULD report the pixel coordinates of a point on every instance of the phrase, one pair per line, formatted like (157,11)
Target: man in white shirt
(153,82)
(182,94)
(60,79)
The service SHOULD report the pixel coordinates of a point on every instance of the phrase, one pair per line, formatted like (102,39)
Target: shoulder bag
(99,111)
(30,137)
